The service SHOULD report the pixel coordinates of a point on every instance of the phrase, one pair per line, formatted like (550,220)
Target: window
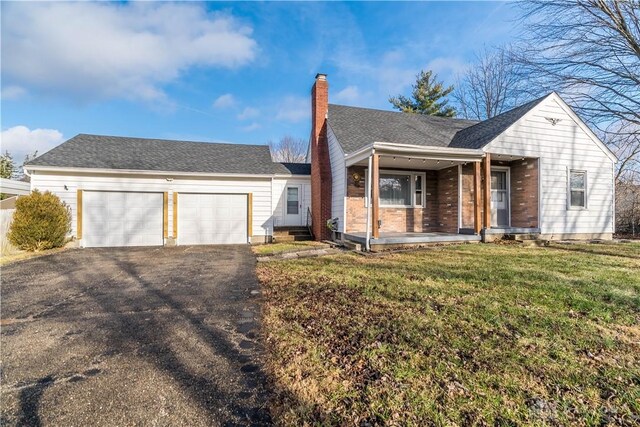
(400,189)
(395,190)
(577,189)
(292,200)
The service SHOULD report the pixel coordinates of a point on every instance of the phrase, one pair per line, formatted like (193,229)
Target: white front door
(293,205)
(500,198)
(212,219)
(119,218)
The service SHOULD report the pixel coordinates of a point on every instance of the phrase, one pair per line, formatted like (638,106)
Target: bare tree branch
(288,150)
(489,87)
(589,50)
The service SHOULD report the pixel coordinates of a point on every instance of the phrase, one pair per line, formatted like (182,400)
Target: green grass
(279,248)
(471,335)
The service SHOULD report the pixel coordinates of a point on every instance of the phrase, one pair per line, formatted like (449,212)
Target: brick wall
(524,193)
(320,161)
(393,219)
(448,200)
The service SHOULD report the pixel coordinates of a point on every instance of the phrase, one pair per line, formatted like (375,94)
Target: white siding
(279,197)
(338,179)
(10,186)
(560,148)
(260,187)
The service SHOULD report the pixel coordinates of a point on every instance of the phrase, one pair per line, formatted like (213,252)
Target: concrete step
(290,231)
(524,236)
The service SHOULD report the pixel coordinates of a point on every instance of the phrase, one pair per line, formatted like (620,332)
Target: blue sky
(236,72)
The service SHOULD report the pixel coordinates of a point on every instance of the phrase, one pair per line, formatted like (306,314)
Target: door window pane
(395,190)
(292,200)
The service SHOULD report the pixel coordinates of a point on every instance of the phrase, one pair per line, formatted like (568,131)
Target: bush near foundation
(41,221)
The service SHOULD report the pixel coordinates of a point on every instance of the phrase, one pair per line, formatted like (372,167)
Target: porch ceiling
(417,163)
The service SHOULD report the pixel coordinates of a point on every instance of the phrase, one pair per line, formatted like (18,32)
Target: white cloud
(12,92)
(294,109)
(20,141)
(447,67)
(104,50)
(224,101)
(248,113)
(253,126)
(348,95)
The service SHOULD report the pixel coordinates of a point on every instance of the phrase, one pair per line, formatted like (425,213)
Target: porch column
(487,191)
(477,197)
(375,196)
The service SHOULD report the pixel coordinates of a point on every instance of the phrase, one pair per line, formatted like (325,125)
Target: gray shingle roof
(114,152)
(356,127)
(296,168)
(480,134)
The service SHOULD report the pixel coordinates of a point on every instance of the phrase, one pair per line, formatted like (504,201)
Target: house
(379,177)
(149,192)
(537,169)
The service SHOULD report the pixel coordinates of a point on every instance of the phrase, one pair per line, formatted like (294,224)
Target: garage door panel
(112,219)
(212,219)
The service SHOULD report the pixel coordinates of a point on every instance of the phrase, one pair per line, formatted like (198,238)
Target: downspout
(367,244)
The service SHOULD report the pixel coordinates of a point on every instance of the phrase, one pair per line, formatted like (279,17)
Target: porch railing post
(375,196)
(487,191)
(477,197)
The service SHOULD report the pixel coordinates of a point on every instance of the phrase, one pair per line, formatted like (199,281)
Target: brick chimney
(320,163)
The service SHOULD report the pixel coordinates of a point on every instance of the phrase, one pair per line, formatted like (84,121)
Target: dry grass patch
(279,248)
(472,334)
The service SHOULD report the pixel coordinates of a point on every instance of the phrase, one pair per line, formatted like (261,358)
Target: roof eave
(44,168)
(446,153)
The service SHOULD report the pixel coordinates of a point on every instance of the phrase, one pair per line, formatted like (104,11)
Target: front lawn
(282,247)
(459,335)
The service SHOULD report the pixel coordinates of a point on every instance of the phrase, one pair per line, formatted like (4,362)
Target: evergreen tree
(427,97)
(7,166)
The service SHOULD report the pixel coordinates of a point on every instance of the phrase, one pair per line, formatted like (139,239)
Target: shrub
(41,221)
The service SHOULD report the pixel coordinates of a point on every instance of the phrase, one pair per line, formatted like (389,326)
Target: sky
(229,72)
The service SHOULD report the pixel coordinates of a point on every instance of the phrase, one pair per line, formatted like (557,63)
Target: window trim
(585,190)
(411,174)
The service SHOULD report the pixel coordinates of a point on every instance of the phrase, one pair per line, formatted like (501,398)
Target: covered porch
(422,195)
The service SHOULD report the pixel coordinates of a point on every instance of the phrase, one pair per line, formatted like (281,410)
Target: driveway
(140,336)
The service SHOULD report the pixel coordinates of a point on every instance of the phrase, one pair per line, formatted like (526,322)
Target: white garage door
(121,219)
(209,219)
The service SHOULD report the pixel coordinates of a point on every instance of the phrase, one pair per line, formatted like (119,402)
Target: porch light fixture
(424,161)
(394,157)
(356,178)
(409,158)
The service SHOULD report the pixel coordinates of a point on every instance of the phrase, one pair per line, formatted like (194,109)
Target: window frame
(412,182)
(584,190)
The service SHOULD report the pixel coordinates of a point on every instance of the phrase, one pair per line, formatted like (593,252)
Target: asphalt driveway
(163,336)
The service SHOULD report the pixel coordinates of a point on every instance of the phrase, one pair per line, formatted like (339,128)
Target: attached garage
(118,218)
(152,192)
(212,219)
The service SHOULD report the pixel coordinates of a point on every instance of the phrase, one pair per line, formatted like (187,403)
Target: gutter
(144,172)
(440,153)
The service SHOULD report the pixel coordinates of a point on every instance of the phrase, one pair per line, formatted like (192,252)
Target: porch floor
(412,238)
